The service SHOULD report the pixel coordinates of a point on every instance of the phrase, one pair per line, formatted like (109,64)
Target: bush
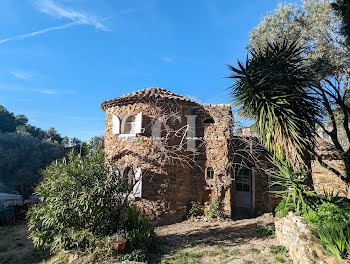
(138,230)
(81,203)
(331,222)
(214,210)
(138,255)
(265,231)
(328,212)
(194,210)
(328,215)
(336,239)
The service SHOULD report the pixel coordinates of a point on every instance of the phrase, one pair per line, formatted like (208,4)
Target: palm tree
(273,88)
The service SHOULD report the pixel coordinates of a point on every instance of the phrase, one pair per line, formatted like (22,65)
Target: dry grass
(16,248)
(217,242)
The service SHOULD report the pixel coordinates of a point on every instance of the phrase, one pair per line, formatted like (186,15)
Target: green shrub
(265,231)
(138,230)
(194,210)
(278,249)
(336,239)
(331,222)
(82,203)
(138,255)
(214,210)
(328,212)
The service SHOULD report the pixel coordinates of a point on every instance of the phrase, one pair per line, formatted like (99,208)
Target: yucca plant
(271,88)
(295,192)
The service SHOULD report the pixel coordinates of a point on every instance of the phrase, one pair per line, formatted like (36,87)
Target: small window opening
(129,125)
(209,121)
(243,180)
(209,173)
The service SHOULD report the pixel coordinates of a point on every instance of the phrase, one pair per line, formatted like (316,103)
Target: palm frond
(271,87)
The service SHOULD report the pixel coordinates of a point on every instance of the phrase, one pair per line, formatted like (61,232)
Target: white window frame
(137,126)
(206,173)
(115,125)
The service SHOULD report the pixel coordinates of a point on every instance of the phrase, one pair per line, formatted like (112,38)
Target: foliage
(138,255)
(194,210)
(22,156)
(25,150)
(265,231)
(81,203)
(270,87)
(9,122)
(316,26)
(296,194)
(214,209)
(336,239)
(319,31)
(342,8)
(137,228)
(331,222)
(278,249)
(329,215)
(328,212)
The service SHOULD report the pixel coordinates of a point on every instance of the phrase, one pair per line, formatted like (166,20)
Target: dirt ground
(198,241)
(15,247)
(187,242)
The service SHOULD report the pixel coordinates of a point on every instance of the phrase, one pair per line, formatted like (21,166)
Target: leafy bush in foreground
(336,239)
(81,203)
(138,230)
(328,214)
(331,222)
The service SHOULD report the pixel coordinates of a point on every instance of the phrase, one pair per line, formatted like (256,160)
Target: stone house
(174,150)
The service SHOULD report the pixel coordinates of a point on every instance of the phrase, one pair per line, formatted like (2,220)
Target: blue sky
(61,58)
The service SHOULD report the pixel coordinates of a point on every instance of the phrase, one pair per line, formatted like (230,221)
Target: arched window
(128,177)
(209,121)
(209,173)
(129,127)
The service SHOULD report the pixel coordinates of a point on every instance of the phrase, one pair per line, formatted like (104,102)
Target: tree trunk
(347,173)
(309,181)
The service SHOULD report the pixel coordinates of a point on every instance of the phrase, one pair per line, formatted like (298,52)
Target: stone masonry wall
(217,149)
(326,180)
(167,184)
(304,248)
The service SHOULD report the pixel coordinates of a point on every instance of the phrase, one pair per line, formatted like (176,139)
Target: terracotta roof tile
(145,95)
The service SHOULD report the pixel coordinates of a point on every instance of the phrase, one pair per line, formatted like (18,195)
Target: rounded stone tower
(156,139)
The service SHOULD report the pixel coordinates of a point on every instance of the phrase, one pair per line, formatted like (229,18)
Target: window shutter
(115,125)
(138,183)
(138,123)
